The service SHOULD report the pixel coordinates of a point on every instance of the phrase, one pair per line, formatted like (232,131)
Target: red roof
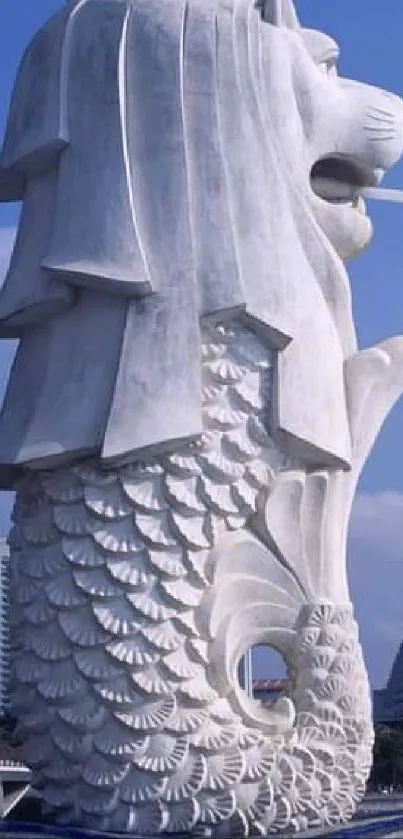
(267,685)
(10,754)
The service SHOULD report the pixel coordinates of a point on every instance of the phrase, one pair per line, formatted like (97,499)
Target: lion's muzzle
(373,131)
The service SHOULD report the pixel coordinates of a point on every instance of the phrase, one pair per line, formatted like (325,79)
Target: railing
(10,755)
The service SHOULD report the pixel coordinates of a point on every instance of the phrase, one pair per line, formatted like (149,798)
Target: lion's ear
(280,13)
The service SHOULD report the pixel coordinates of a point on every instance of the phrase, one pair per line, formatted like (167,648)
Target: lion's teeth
(360,206)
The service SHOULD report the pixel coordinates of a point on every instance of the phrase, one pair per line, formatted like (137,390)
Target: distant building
(4,626)
(388,703)
(378,704)
(269,689)
(245,673)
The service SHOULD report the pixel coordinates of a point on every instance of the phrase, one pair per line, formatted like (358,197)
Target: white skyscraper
(246,673)
(4,626)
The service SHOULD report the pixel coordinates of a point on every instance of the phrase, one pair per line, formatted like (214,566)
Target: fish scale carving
(115,682)
(178,275)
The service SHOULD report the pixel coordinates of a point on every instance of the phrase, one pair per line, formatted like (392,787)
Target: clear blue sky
(371,50)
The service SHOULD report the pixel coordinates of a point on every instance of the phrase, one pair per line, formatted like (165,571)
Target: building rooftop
(269,685)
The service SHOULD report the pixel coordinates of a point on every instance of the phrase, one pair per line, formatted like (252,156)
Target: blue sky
(370,36)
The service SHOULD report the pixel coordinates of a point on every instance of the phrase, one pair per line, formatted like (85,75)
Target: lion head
(179,161)
(337,133)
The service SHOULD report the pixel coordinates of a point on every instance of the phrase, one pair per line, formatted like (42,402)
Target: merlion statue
(188,414)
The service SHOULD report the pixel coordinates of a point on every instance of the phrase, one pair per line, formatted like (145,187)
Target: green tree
(388,756)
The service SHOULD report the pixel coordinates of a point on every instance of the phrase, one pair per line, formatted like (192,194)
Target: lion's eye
(323,50)
(328,68)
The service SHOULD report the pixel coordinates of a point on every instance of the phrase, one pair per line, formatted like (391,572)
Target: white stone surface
(157,169)
(188,413)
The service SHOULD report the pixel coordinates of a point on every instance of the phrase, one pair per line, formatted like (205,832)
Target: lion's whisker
(376,110)
(381,138)
(380,132)
(380,125)
(379,117)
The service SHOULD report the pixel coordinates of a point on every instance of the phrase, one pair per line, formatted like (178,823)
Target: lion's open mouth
(338,179)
